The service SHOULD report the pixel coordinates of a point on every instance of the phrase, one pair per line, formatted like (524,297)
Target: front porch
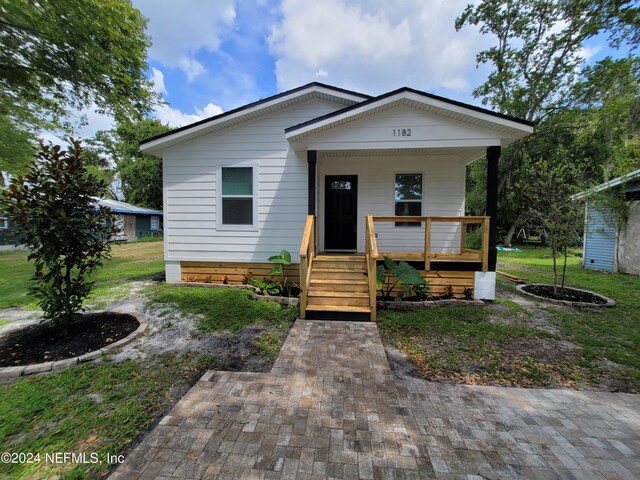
(346,283)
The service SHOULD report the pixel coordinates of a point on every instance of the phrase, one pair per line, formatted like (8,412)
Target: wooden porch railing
(371,257)
(429,255)
(307,255)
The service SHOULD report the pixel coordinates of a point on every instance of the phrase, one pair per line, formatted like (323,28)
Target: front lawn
(521,342)
(91,409)
(102,408)
(129,262)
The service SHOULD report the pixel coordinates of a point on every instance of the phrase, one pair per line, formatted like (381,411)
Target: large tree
(140,174)
(62,55)
(538,49)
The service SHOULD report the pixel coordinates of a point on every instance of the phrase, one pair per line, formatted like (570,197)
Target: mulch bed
(46,343)
(568,294)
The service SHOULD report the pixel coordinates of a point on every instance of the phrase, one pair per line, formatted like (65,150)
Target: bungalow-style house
(340,179)
(611,241)
(134,222)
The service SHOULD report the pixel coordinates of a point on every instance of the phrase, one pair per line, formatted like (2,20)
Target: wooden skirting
(233,273)
(439,281)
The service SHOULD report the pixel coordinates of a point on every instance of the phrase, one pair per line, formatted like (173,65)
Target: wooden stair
(338,284)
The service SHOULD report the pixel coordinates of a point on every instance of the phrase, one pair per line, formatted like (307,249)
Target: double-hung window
(237,196)
(155,223)
(408,197)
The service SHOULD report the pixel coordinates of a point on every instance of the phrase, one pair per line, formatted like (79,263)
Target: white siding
(442,195)
(190,182)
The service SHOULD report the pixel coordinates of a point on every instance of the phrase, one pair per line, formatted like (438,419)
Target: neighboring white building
(239,187)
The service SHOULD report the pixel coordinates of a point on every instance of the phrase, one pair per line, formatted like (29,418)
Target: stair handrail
(371,257)
(307,255)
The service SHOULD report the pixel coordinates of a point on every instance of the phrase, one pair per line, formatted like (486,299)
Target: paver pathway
(330,408)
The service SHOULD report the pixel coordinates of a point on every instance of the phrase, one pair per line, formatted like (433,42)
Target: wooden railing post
(303,287)
(485,244)
(463,237)
(307,254)
(427,244)
(371,255)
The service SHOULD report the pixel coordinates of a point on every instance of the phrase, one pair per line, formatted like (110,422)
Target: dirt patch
(533,316)
(44,342)
(545,350)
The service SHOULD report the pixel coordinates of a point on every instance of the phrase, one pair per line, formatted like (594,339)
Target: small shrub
(390,273)
(474,239)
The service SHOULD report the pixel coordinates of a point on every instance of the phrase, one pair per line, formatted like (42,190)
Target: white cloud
(588,52)
(180,29)
(375,46)
(157,78)
(174,117)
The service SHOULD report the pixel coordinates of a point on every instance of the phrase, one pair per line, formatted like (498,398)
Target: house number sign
(401,132)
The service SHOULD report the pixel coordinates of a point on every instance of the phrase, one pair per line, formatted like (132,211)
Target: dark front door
(341,212)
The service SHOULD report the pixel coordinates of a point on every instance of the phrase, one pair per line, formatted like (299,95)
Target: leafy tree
(140,174)
(537,52)
(76,54)
(551,207)
(55,206)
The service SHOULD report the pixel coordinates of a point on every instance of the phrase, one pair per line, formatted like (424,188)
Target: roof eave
(155,145)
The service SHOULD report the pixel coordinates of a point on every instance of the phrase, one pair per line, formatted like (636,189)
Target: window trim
(151,217)
(255,197)
(420,201)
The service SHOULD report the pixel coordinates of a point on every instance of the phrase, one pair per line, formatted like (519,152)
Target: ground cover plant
(521,342)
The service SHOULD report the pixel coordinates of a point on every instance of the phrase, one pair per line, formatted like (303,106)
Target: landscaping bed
(567,295)
(45,342)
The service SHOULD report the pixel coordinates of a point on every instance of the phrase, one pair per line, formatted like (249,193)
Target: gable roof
(265,105)
(628,178)
(121,207)
(511,126)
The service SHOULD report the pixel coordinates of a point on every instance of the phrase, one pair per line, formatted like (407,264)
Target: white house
(340,167)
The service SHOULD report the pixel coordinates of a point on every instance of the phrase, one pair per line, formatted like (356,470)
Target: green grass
(485,345)
(15,272)
(461,343)
(223,309)
(611,333)
(91,408)
(4,321)
(130,262)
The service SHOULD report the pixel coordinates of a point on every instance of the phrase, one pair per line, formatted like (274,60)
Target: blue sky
(209,56)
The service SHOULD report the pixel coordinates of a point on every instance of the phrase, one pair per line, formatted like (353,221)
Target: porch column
(312,160)
(493,156)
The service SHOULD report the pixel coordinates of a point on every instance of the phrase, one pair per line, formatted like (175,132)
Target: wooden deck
(347,283)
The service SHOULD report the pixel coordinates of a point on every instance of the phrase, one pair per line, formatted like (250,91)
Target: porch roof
(477,127)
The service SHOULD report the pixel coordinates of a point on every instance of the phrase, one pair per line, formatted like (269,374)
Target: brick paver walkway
(330,408)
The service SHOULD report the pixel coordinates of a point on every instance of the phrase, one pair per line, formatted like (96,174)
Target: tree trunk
(512,231)
(554,253)
(564,269)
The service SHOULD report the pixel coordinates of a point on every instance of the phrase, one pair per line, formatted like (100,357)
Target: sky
(210,56)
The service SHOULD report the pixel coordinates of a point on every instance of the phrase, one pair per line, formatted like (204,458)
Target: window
(155,223)
(340,185)
(408,197)
(237,195)
(4,223)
